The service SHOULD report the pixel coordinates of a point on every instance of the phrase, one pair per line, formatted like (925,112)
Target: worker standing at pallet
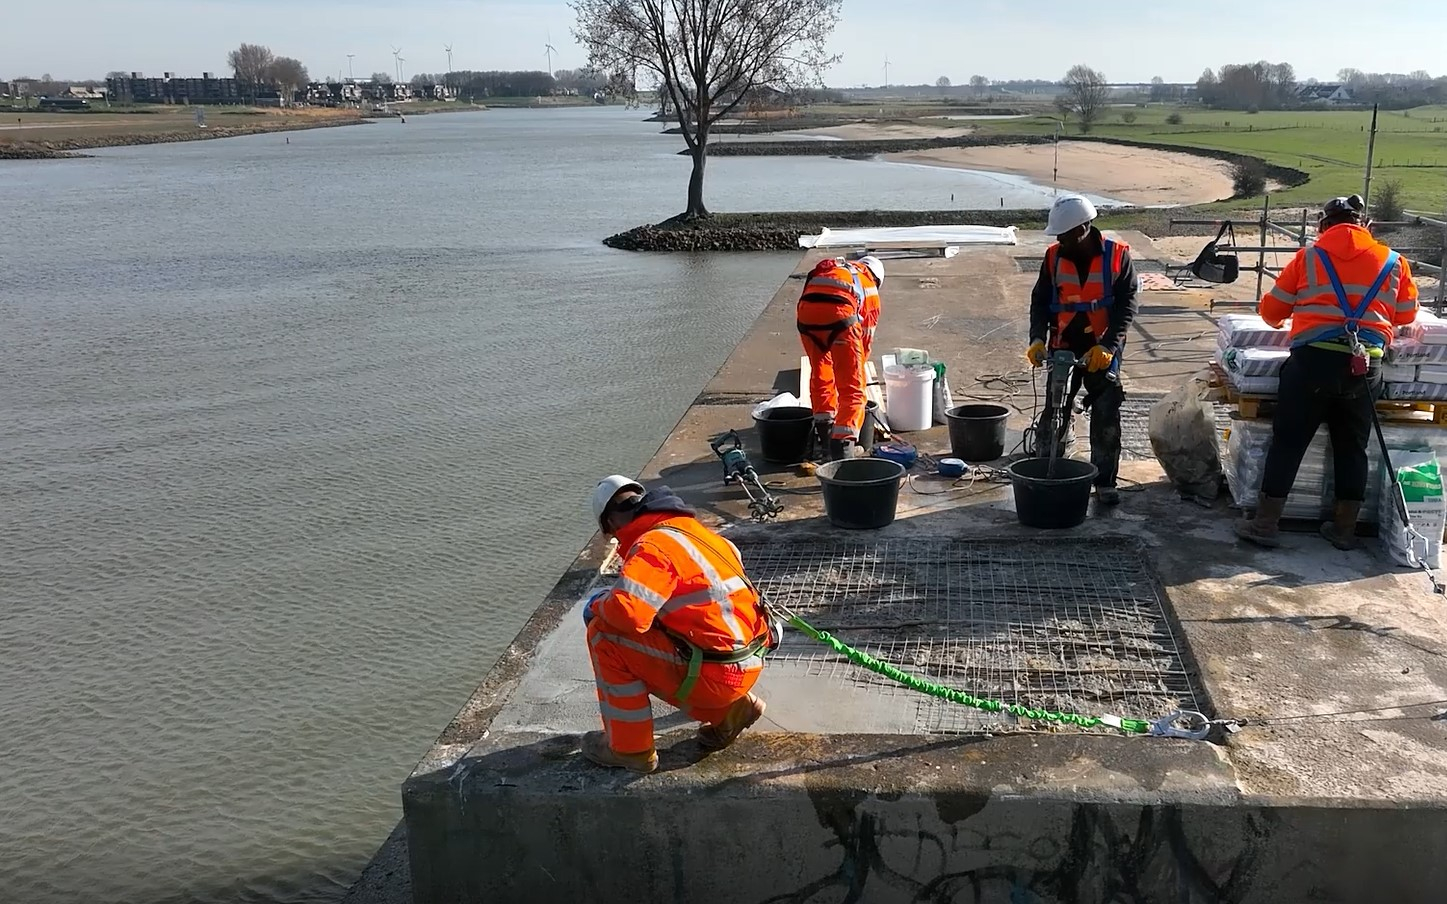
(1345,296)
(682,623)
(834,321)
(1084,302)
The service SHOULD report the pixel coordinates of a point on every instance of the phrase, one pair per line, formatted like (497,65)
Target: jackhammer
(739,470)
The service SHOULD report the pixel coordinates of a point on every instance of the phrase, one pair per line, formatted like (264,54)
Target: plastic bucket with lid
(1055,502)
(784,433)
(860,493)
(909,396)
(977,432)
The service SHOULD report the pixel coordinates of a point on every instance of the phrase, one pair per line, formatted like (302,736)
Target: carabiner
(1166,727)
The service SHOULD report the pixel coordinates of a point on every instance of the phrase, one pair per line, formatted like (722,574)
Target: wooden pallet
(1404,412)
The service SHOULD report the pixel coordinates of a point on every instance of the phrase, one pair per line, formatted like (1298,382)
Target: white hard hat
(609,487)
(875,266)
(1069,212)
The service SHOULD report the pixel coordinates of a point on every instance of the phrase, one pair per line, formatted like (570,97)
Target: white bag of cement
(1399,373)
(782,400)
(1255,362)
(1432,373)
(1429,329)
(1249,331)
(1183,436)
(1418,477)
(1415,351)
(1415,392)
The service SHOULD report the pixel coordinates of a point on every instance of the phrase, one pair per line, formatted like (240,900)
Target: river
(295,431)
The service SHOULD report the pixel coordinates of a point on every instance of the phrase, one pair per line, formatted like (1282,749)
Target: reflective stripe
(1286,298)
(732,585)
(631,689)
(650,596)
(716,584)
(618,714)
(605,637)
(844,433)
(1080,281)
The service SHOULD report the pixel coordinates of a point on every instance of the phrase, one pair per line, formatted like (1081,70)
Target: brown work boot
(596,749)
(1265,528)
(1341,530)
(741,715)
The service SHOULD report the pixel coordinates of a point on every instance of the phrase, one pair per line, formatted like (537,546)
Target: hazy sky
(923,39)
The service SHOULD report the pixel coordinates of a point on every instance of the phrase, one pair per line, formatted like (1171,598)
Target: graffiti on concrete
(1096,862)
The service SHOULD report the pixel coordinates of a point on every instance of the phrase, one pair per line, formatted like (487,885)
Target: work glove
(588,606)
(1035,354)
(1098,359)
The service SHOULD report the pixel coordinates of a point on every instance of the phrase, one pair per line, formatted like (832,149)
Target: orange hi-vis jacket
(1092,294)
(869,310)
(830,318)
(1347,282)
(685,578)
(833,298)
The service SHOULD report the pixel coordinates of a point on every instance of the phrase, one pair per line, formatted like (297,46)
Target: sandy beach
(883,131)
(1136,175)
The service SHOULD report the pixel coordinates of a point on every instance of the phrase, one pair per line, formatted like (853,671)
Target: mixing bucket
(977,432)
(909,397)
(784,434)
(1055,502)
(860,493)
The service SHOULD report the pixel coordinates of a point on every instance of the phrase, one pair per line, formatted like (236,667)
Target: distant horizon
(921,39)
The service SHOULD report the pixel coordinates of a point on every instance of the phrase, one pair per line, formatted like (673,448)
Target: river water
(293,437)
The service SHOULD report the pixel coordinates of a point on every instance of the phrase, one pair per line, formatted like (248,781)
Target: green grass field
(1331,146)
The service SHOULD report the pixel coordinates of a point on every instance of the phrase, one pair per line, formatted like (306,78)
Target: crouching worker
(682,623)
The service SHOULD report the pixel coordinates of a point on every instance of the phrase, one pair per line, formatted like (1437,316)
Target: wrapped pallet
(1249,331)
(1247,443)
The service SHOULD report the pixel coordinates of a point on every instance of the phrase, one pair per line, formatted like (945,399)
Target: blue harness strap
(1107,274)
(1354,315)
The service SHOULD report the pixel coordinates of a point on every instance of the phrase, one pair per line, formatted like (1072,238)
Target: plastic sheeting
(1254,362)
(1429,329)
(1249,331)
(911,237)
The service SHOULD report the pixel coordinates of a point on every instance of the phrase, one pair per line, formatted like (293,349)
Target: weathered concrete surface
(1327,648)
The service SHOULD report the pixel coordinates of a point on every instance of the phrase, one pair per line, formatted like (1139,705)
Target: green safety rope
(1129,726)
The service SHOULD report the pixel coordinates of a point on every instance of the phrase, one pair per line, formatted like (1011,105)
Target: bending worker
(682,623)
(1344,296)
(837,314)
(1083,303)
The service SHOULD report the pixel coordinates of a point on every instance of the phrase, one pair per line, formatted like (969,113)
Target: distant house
(1324,94)
(439,92)
(85,93)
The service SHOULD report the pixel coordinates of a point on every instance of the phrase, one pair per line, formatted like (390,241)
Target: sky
(922,39)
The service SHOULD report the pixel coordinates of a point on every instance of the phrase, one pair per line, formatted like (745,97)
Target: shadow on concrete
(1333,623)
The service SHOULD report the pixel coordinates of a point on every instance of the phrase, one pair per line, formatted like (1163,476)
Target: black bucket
(977,432)
(784,434)
(860,493)
(1056,502)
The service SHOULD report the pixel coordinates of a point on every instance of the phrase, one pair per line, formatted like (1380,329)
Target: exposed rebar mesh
(1059,624)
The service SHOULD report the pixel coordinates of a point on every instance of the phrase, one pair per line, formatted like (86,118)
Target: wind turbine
(400,61)
(397,61)
(548,46)
(886,72)
(350,76)
(448,48)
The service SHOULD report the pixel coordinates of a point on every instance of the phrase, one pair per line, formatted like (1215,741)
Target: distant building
(85,93)
(1324,94)
(208,89)
(439,92)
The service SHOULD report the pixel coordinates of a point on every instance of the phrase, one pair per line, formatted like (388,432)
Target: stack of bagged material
(1415,368)
(1245,463)
(1251,353)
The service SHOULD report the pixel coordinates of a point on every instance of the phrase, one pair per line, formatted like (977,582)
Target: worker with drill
(682,623)
(837,314)
(1083,303)
(1345,295)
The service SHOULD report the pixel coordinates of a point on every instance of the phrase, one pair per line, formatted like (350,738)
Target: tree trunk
(696,209)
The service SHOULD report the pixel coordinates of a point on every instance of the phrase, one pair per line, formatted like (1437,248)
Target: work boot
(1341,530)
(1107,496)
(741,715)
(596,749)
(843,449)
(1265,528)
(823,428)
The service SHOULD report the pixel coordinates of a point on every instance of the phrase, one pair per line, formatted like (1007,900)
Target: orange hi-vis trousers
(629,668)
(836,365)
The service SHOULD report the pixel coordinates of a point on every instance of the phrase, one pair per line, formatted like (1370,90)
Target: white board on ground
(911,237)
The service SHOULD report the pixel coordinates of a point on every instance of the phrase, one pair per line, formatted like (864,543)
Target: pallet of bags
(1247,443)
(1249,331)
(1428,329)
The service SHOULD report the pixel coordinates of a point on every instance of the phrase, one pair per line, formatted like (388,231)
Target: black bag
(1214,267)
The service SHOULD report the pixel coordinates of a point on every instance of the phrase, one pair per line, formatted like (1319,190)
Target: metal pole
(1371,149)
(1261,262)
(1442,275)
(1302,243)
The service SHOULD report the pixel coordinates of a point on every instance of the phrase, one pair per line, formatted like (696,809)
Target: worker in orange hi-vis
(681,623)
(831,322)
(871,277)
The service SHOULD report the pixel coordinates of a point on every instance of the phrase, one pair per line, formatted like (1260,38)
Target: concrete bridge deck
(851,790)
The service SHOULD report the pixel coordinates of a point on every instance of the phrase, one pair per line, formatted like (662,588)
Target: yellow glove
(1098,359)
(1035,354)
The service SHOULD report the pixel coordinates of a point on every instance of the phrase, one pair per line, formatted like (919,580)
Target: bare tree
(979,83)
(287,74)
(249,63)
(709,55)
(1085,94)
(943,83)
(382,78)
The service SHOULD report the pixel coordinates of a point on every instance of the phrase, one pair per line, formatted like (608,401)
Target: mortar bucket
(1056,502)
(861,493)
(977,432)
(784,434)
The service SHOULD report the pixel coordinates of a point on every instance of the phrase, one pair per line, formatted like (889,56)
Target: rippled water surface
(293,437)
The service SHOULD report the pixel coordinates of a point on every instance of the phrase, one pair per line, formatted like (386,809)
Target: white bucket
(909,396)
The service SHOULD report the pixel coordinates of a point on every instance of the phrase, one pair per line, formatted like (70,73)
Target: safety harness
(1355,314)
(696,656)
(838,327)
